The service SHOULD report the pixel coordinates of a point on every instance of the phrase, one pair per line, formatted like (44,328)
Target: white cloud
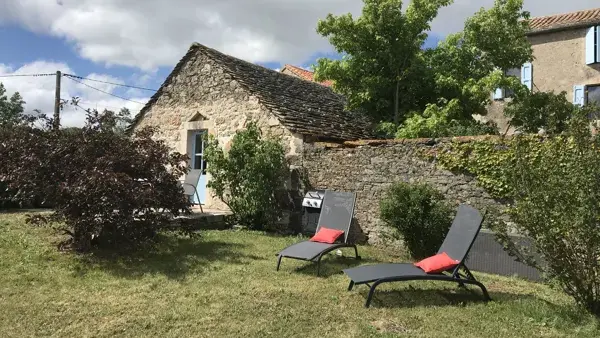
(39,92)
(151,33)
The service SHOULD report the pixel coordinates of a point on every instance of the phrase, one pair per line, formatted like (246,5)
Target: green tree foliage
(385,71)
(250,177)
(383,64)
(106,188)
(12,111)
(419,215)
(531,111)
(443,121)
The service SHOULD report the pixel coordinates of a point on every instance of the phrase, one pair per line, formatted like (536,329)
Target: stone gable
(203,96)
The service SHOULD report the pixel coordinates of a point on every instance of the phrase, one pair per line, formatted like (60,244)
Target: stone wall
(203,96)
(370,167)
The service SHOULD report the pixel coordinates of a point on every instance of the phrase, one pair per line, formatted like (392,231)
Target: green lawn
(224,284)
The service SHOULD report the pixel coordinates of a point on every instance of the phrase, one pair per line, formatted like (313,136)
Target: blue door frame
(198,162)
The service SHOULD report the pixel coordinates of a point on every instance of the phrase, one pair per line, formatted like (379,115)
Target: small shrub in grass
(106,189)
(419,215)
(556,192)
(250,178)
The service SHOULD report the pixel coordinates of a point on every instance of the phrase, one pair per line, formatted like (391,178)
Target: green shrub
(556,191)
(419,215)
(106,189)
(250,177)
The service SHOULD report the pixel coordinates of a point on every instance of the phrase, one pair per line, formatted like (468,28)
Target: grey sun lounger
(336,213)
(457,244)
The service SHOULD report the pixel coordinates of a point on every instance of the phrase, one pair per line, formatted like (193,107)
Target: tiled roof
(564,21)
(305,74)
(303,107)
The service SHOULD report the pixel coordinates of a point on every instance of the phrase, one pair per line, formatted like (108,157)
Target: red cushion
(437,263)
(326,235)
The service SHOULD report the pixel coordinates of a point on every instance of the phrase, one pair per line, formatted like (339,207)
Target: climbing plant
(489,159)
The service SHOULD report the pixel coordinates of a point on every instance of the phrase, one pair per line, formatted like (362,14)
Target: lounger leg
(319,266)
(371,292)
(351,285)
(356,252)
(279,262)
(486,295)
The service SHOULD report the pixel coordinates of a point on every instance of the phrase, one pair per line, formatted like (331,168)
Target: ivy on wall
(487,159)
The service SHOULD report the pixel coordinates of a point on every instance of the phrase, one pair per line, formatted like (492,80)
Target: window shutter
(597,44)
(579,95)
(590,46)
(527,75)
(499,94)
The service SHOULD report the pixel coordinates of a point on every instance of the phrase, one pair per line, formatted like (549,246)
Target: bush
(556,191)
(250,177)
(419,215)
(106,189)
(443,121)
(532,111)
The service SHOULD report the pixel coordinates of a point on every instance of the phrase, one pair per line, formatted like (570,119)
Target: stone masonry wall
(370,167)
(202,87)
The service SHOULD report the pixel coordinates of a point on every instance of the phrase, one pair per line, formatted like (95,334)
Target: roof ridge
(563,14)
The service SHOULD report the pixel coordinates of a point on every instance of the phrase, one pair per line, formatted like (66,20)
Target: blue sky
(138,43)
(30,47)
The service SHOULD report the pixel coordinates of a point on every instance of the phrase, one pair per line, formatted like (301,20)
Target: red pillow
(326,235)
(437,263)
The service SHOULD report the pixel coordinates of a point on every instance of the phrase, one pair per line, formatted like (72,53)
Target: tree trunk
(397,103)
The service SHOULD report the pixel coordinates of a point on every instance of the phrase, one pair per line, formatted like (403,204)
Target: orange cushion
(437,263)
(326,235)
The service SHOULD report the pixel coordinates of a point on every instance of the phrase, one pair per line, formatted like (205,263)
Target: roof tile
(306,74)
(564,21)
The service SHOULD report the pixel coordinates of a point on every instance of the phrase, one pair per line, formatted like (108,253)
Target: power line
(27,75)
(107,82)
(102,91)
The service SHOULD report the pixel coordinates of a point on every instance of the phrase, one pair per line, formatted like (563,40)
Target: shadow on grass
(331,265)
(172,256)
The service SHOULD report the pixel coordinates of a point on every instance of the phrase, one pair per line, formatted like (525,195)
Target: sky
(138,42)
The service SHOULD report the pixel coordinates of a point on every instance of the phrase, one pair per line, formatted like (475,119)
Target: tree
(382,58)
(385,71)
(12,109)
(470,64)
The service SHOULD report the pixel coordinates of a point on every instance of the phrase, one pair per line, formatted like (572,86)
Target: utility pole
(56,121)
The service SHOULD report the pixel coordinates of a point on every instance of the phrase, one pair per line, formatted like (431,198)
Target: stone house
(210,92)
(566,51)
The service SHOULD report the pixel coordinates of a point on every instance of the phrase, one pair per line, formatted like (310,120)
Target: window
(592,45)
(587,95)
(198,161)
(525,74)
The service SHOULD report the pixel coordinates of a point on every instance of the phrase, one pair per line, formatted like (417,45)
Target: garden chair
(456,245)
(189,185)
(337,211)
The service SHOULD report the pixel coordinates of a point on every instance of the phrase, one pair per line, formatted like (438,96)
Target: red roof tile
(305,74)
(564,21)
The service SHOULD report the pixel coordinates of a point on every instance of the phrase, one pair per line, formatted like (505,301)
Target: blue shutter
(579,95)
(597,43)
(527,75)
(590,46)
(499,94)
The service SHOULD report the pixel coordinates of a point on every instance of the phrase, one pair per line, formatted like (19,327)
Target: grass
(224,284)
